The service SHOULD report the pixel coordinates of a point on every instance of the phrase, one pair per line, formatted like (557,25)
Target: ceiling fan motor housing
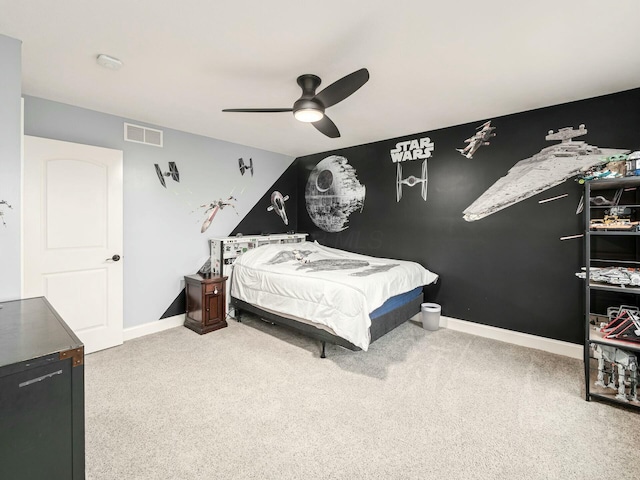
(309,83)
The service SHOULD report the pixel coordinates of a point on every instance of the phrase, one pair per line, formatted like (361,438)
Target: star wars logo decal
(418,149)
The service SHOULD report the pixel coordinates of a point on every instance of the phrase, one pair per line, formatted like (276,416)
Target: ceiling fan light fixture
(308,115)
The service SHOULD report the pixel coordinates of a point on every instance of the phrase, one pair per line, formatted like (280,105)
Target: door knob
(115,258)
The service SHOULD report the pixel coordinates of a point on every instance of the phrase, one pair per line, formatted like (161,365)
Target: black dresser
(41,394)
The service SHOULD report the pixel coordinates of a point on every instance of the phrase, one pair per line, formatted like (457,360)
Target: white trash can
(430,315)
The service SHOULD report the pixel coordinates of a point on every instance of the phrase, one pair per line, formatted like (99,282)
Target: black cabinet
(41,394)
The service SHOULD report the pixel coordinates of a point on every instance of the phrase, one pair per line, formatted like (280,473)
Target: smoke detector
(109,62)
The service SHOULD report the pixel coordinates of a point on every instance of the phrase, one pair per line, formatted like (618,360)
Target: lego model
(480,138)
(633,163)
(614,312)
(624,324)
(277,205)
(614,166)
(614,364)
(244,167)
(4,202)
(214,208)
(544,170)
(173,173)
(600,200)
(615,219)
(619,276)
(411,181)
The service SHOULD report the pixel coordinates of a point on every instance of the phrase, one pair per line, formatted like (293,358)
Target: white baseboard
(558,347)
(153,327)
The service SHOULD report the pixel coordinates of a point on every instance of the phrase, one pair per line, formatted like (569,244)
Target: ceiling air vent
(138,134)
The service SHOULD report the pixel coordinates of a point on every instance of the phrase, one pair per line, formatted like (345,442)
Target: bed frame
(379,325)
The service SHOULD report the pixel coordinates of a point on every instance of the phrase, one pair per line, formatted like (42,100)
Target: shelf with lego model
(614,288)
(608,261)
(604,385)
(596,335)
(614,233)
(596,207)
(613,183)
(612,285)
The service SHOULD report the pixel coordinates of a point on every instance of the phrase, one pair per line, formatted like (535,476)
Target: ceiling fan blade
(258,110)
(326,126)
(341,89)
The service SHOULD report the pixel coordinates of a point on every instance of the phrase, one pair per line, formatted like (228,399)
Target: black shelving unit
(609,249)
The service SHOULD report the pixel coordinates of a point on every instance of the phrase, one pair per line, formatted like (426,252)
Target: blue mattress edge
(395,302)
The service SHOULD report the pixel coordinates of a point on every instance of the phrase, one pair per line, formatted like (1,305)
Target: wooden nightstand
(206,303)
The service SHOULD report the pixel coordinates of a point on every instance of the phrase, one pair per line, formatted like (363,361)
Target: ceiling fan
(310,106)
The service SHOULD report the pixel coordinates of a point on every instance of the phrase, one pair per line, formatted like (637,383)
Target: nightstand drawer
(214,288)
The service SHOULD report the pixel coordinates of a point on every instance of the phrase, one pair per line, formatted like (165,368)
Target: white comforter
(324,285)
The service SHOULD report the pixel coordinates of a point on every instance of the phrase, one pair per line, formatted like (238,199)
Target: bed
(331,295)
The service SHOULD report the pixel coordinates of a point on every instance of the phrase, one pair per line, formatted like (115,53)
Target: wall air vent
(138,134)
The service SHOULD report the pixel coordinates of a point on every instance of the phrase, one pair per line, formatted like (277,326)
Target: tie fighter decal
(173,173)
(411,181)
(244,167)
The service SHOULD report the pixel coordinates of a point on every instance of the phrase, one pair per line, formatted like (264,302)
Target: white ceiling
(432,64)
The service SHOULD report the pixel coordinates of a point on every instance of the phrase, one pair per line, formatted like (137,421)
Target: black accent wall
(508,270)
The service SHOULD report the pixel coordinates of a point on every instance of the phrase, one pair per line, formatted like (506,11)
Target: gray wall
(162,238)
(10,243)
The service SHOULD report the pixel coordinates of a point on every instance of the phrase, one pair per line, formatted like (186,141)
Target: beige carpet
(255,401)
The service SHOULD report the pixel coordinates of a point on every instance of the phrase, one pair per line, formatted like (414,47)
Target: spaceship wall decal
(411,181)
(244,167)
(481,137)
(215,207)
(4,202)
(277,205)
(173,173)
(544,170)
(333,193)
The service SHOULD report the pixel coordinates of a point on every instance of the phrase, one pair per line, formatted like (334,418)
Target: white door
(72,244)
